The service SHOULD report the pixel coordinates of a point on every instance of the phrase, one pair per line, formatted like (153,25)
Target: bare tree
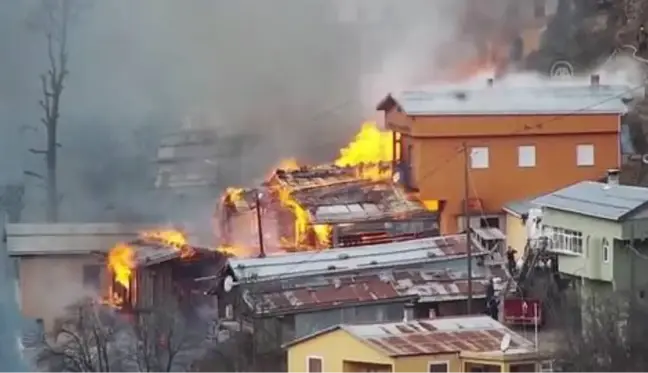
(54,18)
(94,337)
(603,333)
(165,342)
(82,341)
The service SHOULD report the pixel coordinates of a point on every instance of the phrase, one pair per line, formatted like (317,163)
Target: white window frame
(566,241)
(605,248)
(440,362)
(313,357)
(526,156)
(585,155)
(480,152)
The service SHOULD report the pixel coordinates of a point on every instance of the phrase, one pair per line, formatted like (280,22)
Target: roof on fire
(507,98)
(467,334)
(356,258)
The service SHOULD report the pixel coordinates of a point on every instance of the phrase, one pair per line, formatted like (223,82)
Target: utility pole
(258,196)
(466,212)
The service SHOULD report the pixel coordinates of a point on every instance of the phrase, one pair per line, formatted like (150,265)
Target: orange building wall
(438,162)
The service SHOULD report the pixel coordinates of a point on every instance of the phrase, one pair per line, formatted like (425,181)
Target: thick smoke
(295,78)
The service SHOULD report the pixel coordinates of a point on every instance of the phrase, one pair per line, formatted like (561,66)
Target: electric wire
(458,151)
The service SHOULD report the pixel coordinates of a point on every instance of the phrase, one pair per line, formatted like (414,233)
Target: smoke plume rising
(294,77)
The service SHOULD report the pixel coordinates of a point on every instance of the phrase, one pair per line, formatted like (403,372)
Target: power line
(460,149)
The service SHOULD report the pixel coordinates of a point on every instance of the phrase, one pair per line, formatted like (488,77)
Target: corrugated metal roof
(477,334)
(599,200)
(46,239)
(547,98)
(519,208)
(442,281)
(337,260)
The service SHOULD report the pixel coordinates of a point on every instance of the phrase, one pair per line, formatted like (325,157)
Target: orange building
(521,141)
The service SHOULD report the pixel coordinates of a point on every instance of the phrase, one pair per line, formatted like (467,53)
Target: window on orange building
(526,156)
(479,157)
(585,155)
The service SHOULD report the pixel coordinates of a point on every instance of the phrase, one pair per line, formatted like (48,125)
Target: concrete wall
(47,284)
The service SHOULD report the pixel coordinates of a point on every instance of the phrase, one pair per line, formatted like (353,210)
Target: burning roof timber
(430,270)
(334,194)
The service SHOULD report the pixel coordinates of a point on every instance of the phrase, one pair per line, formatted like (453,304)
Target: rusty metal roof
(300,264)
(428,285)
(476,334)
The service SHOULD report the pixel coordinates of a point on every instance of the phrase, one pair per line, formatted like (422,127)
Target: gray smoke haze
(297,76)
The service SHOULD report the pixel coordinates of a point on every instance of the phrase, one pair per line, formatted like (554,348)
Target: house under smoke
(164,276)
(325,206)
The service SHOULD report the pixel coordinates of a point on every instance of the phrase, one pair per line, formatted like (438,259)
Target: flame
(289,164)
(234,194)
(370,147)
(170,237)
(121,263)
(323,233)
(302,218)
(236,251)
(370,154)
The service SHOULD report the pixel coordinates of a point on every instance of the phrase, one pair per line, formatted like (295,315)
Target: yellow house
(516,230)
(457,344)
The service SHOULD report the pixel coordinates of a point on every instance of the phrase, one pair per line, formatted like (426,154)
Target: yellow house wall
(420,363)
(516,234)
(333,348)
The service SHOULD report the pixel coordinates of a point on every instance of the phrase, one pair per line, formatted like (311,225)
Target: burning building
(351,202)
(160,268)
(327,206)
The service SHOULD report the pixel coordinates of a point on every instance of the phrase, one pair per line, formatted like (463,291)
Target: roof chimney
(490,82)
(595,80)
(613,177)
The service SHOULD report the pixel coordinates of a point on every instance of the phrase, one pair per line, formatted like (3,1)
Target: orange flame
(234,194)
(174,238)
(289,164)
(370,153)
(302,218)
(121,263)
(367,151)
(236,251)
(323,233)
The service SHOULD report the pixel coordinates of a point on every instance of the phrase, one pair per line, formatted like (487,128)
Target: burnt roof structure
(334,194)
